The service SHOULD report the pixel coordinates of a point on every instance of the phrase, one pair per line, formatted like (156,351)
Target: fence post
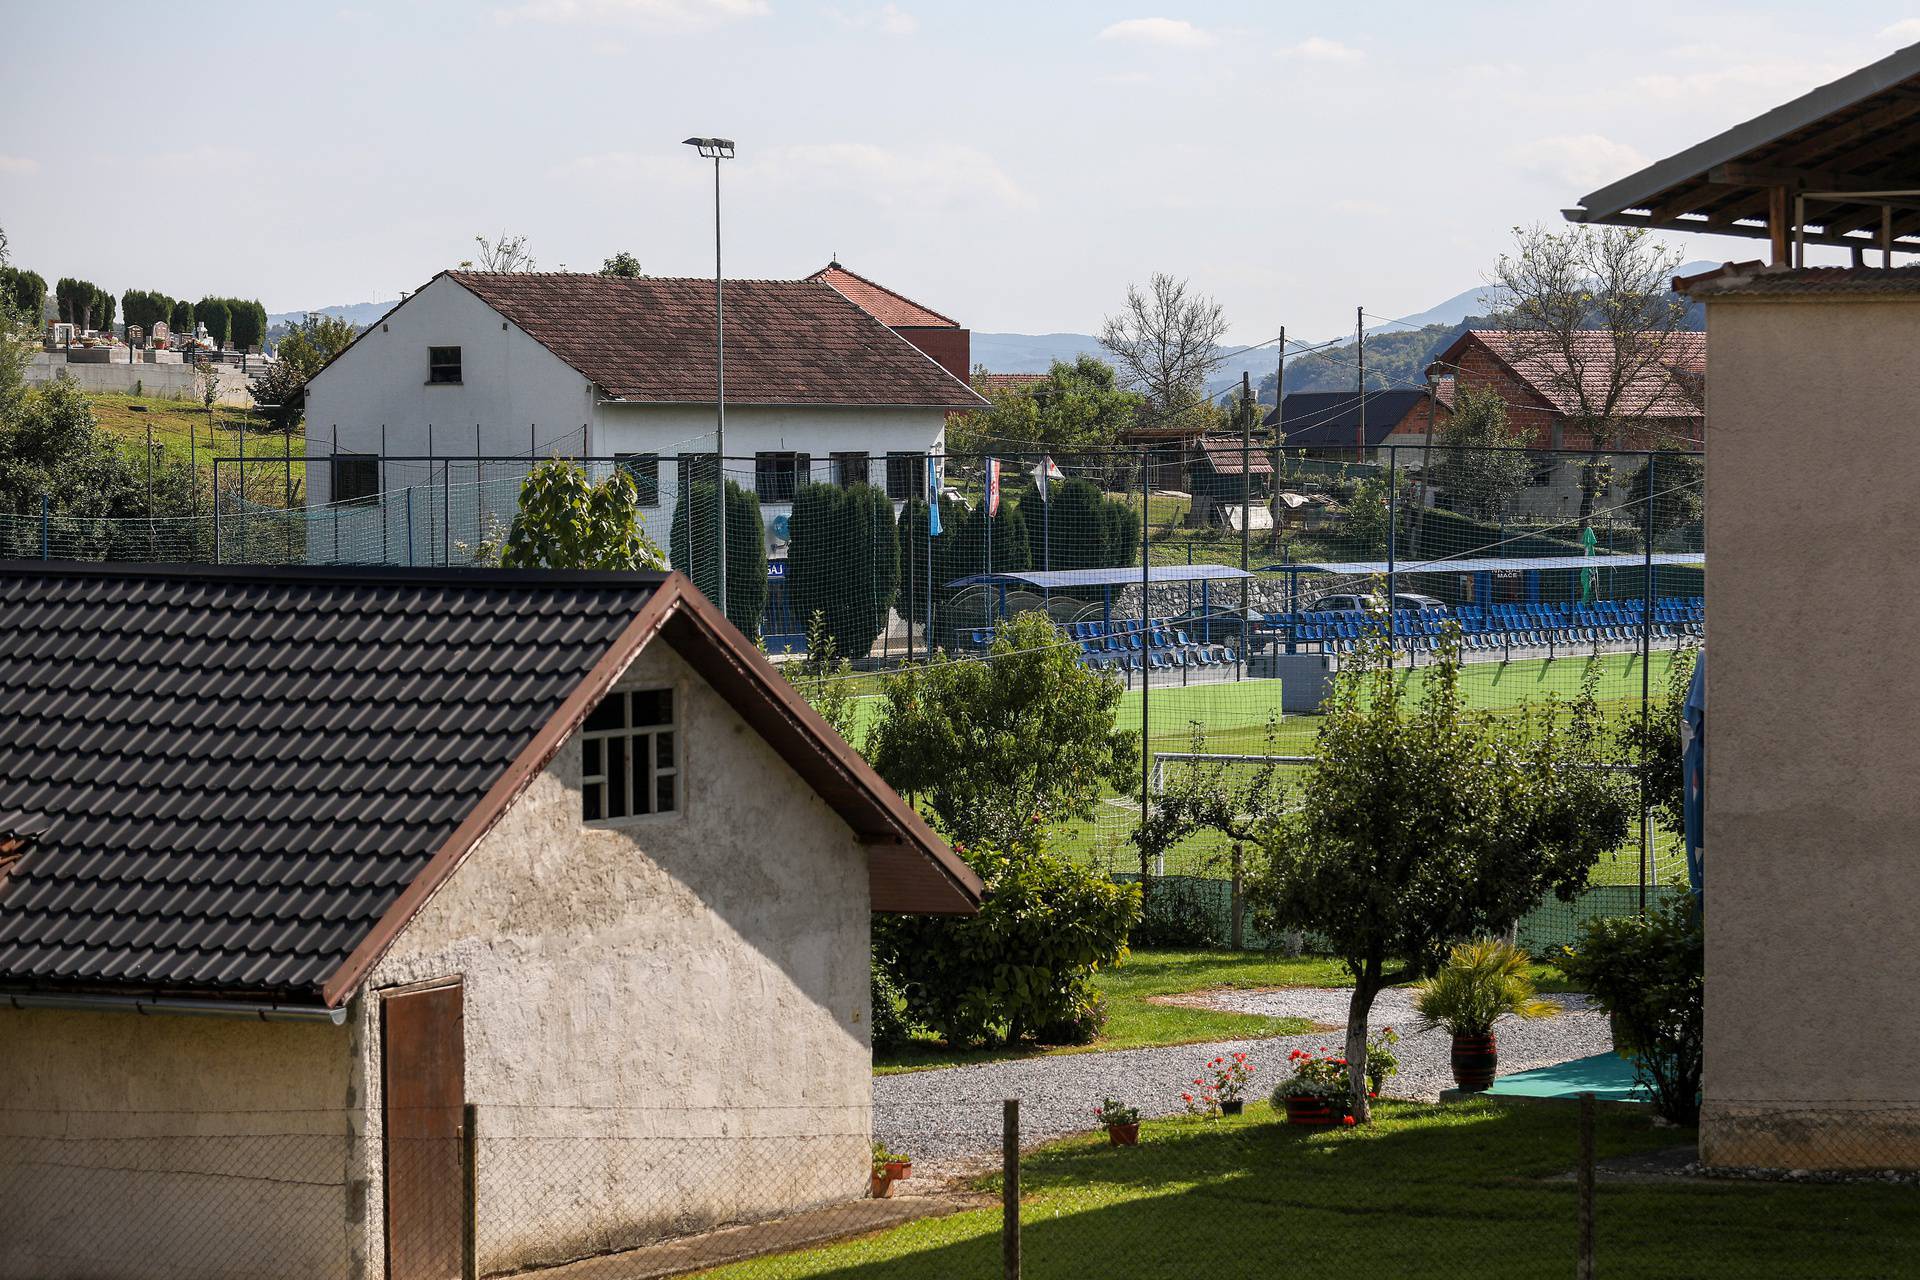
(1583,1268)
(1646,685)
(46,526)
(1010,1189)
(469,1192)
(1238,905)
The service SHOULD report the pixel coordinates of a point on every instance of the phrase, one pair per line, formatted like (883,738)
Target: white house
(481,366)
(372,916)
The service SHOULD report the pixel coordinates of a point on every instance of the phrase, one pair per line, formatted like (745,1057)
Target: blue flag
(933,496)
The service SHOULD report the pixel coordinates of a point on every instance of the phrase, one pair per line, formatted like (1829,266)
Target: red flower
(1346,1119)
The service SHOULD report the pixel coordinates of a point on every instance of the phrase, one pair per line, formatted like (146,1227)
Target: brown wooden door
(424,1054)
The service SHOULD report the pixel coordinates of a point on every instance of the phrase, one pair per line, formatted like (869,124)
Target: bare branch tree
(1591,320)
(504,253)
(1167,343)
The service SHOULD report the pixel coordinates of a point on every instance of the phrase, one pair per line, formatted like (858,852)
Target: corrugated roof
(1325,419)
(788,342)
(895,310)
(1737,279)
(1225,453)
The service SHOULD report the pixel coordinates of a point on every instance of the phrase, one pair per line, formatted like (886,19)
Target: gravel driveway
(950,1118)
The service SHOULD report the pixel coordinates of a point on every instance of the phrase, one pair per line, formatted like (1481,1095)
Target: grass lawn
(128,417)
(1478,1189)
(1134,1022)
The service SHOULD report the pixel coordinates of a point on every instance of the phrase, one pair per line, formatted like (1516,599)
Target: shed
(312,880)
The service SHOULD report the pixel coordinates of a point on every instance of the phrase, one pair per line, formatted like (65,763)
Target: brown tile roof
(895,310)
(299,756)
(1753,279)
(1660,389)
(1224,453)
(991,384)
(650,340)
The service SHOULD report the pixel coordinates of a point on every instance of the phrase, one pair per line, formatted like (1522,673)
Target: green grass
(1135,1022)
(1476,1189)
(128,417)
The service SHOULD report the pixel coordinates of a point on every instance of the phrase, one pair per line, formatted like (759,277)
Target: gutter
(145,1005)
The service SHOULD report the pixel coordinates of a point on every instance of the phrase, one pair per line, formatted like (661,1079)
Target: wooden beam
(1779,233)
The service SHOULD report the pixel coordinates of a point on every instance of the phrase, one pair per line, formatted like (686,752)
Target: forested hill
(1398,358)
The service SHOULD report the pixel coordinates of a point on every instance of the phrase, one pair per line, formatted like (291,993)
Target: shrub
(1177,917)
(1648,973)
(695,548)
(1083,1026)
(1084,530)
(1023,964)
(890,1025)
(843,561)
(565,521)
(1480,982)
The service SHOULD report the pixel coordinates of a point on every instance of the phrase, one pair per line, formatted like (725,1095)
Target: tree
(180,319)
(1021,739)
(1085,529)
(1480,464)
(1207,797)
(843,562)
(1079,406)
(565,521)
(1654,746)
(247,321)
(145,308)
(622,264)
(503,253)
(1021,968)
(695,544)
(1648,974)
(279,391)
(1167,342)
(103,308)
(24,294)
(51,445)
(1679,494)
(1590,315)
(825,679)
(78,303)
(217,316)
(1424,824)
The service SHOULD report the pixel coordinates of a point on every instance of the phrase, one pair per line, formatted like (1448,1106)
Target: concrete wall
(141,1146)
(168,381)
(1813,1018)
(666,1018)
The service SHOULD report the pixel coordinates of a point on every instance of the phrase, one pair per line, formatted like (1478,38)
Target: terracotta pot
(881,1186)
(898,1169)
(1312,1111)
(1124,1135)
(1233,1107)
(1474,1061)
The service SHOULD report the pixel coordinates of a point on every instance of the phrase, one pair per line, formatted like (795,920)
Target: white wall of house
(161,1145)
(666,1018)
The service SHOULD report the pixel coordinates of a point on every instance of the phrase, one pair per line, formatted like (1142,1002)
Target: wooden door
(424,1057)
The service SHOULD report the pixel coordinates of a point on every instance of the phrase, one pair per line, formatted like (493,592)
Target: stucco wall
(143,1146)
(1813,491)
(666,1019)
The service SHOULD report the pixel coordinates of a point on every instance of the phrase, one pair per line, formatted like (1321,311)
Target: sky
(1014,165)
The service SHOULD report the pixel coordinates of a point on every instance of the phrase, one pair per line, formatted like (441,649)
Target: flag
(933,495)
(1046,473)
(1587,540)
(993,486)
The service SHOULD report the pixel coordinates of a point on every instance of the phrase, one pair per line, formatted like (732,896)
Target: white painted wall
(666,1019)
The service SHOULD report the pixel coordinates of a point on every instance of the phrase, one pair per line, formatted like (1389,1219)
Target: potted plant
(888,1168)
(1480,982)
(1122,1122)
(1382,1062)
(1316,1092)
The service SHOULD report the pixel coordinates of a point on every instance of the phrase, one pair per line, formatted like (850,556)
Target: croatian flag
(993,486)
(1045,474)
(933,495)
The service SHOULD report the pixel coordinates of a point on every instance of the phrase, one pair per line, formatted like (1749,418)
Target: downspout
(145,1005)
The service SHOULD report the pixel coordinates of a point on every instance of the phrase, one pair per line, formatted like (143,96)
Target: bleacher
(1503,627)
(1126,646)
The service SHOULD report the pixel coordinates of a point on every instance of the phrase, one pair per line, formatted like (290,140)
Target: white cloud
(1906,31)
(888,20)
(1580,161)
(678,15)
(18,166)
(1738,83)
(936,175)
(1321,49)
(1175,33)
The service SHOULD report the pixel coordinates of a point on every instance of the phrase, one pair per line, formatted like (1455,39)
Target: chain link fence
(1475,1188)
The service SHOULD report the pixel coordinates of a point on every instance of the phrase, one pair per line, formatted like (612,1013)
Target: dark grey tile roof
(229,775)
(1332,418)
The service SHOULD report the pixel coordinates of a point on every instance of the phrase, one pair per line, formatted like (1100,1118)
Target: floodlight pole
(717,149)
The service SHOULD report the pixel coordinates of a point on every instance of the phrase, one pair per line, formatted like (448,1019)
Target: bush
(891,1025)
(1021,967)
(843,561)
(1084,530)
(1648,972)
(695,549)
(1083,1026)
(1178,917)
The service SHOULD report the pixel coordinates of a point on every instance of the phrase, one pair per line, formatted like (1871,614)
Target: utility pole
(1246,500)
(1279,434)
(1360,376)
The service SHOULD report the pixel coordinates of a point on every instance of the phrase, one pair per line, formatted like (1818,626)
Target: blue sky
(1011,164)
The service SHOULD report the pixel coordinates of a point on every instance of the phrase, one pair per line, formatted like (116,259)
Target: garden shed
(302,871)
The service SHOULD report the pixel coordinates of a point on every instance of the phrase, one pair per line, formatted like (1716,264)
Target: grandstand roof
(1067,579)
(1483,564)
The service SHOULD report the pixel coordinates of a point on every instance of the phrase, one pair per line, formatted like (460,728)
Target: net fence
(1471,1188)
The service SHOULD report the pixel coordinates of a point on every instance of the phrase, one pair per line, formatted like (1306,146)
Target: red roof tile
(990,384)
(1754,279)
(895,310)
(1665,388)
(651,340)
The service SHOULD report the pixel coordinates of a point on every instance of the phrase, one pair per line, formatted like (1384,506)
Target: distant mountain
(360,314)
(1032,352)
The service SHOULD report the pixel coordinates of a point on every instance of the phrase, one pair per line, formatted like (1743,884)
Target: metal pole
(1646,682)
(1146,650)
(150,550)
(469,1191)
(1393,527)
(1279,421)
(720,387)
(1246,500)
(46,527)
(1010,1189)
(1583,1265)
(216,510)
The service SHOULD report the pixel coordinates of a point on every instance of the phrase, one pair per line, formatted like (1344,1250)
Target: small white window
(630,756)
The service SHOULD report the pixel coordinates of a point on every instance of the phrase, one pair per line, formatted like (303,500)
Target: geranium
(1223,1079)
(1315,1075)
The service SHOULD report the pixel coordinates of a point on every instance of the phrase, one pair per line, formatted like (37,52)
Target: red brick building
(1664,396)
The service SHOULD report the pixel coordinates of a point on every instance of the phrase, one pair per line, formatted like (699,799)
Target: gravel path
(949,1118)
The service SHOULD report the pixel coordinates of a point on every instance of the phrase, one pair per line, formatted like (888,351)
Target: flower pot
(881,1186)
(1474,1061)
(1312,1111)
(898,1169)
(1124,1135)
(1232,1106)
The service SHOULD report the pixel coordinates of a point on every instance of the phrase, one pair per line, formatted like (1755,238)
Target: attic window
(443,364)
(629,757)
